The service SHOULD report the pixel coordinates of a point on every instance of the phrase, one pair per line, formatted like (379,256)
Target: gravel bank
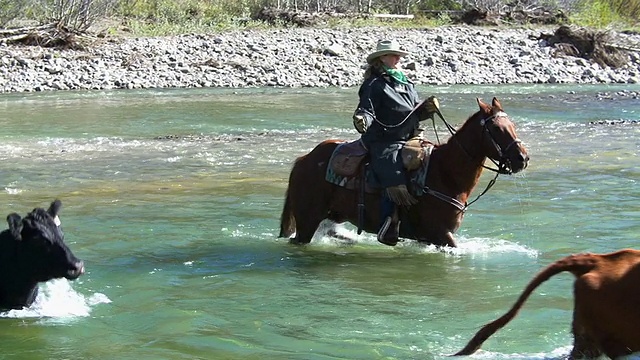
(303,58)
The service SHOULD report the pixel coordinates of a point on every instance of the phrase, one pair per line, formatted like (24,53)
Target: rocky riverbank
(304,57)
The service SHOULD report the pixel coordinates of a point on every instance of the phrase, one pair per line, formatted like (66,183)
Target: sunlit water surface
(173,198)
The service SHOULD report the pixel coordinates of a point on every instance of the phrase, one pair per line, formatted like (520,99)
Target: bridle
(502,166)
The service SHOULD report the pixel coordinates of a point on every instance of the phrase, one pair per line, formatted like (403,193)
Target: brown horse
(453,172)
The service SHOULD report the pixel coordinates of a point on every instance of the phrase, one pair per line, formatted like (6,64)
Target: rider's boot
(389,230)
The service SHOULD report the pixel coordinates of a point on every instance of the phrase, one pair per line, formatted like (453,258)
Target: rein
(457,203)
(501,166)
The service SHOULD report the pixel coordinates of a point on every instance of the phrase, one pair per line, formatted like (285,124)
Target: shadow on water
(366,267)
(410,269)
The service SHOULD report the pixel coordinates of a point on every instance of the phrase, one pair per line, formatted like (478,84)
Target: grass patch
(600,14)
(169,17)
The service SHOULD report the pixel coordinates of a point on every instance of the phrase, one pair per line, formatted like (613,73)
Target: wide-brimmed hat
(385,47)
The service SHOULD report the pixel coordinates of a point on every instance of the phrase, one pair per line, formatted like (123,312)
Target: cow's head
(42,251)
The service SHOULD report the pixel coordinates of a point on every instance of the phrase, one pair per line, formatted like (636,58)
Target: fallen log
(48,35)
(594,45)
(27,29)
(392,16)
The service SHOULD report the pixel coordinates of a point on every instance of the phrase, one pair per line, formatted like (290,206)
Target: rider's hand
(360,123)
(431,107)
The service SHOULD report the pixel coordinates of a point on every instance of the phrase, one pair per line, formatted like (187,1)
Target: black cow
(32,250)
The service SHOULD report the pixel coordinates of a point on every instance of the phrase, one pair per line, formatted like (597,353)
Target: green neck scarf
(396,74)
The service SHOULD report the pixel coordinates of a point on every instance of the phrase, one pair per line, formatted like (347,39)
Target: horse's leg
(444,238)
(447,239)
(309,214)
(450,240)
(306,227)
(311,193)
(333,232)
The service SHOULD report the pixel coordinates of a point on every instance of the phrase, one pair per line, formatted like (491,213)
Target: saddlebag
(413,153)
(347,158)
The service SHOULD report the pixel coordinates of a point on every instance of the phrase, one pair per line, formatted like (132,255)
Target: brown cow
(606,314)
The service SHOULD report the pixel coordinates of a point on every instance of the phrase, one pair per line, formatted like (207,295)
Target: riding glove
(360,123)
(431,107)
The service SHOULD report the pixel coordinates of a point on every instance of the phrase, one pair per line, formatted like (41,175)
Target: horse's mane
(469,120)
(454,130)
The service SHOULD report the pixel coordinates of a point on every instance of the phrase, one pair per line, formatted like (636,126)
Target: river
(173,197)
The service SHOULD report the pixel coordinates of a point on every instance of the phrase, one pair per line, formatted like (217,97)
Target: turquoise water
(173,197)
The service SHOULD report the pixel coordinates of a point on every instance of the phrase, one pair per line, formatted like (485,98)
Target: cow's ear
(55,207)
(15,225)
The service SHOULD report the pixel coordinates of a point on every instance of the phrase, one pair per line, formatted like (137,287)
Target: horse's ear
(15,226)
(483,107)
(496,105)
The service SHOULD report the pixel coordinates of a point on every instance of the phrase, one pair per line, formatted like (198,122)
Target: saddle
(346,168)
(348,157)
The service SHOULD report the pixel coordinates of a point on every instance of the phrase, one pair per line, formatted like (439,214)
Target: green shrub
(10,10)
(160,17)
(629,9)
(607,13)
(595,13)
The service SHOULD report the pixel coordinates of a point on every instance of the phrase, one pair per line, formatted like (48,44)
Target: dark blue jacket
(385,103)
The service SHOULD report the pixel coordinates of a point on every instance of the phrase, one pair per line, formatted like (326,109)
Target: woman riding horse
(386,119)
(445,180)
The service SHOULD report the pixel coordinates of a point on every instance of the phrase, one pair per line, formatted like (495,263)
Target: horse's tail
(577,264)
(287,221)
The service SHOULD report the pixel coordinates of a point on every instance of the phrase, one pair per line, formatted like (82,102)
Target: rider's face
(390,60)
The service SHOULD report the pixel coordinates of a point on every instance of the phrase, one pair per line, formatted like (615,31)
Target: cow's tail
(576,264)
(287,221)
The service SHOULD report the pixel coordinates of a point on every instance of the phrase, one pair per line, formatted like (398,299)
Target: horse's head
(500,142)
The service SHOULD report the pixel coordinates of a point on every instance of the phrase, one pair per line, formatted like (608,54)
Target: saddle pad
(334,178)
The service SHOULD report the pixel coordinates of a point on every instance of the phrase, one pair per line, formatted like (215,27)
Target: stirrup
(383,231)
